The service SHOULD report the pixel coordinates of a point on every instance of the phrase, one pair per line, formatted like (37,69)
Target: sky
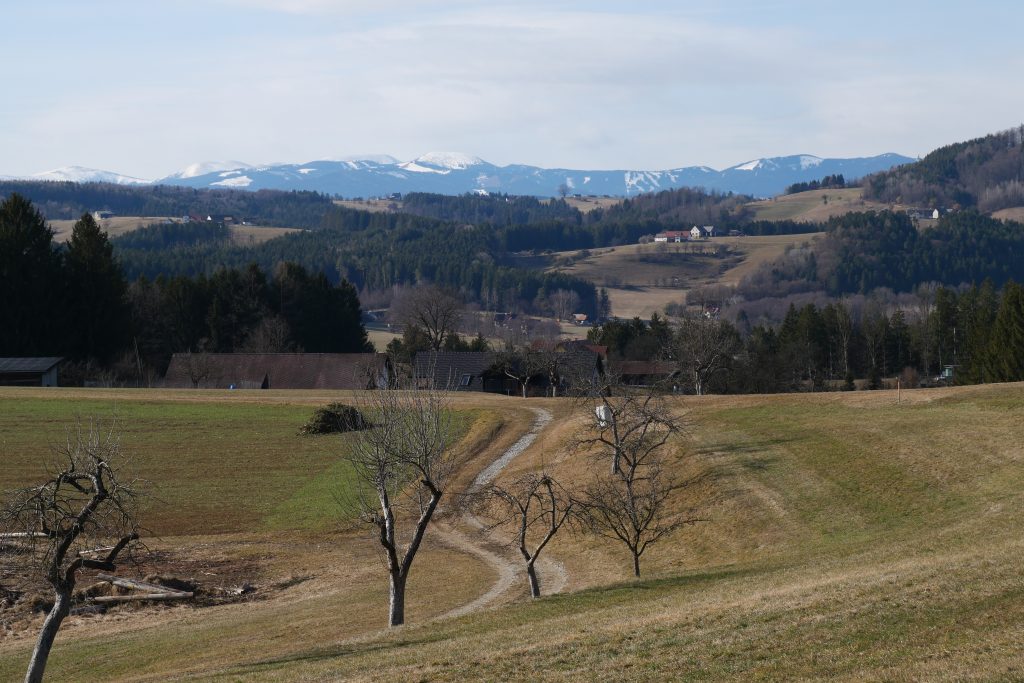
(146,88)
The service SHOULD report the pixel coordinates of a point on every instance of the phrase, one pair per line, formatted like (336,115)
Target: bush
(335,418)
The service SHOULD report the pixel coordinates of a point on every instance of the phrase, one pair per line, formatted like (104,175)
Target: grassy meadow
(814,205)
(844,537)
(642,279)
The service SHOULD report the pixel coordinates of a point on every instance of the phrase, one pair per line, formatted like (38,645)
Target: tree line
(76,301)
(826,183)
(969,335)
(861,252)
(68,200)
(376,252)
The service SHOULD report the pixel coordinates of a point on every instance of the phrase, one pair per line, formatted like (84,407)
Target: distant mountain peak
(81,174)
(452,173)
(453,161)
(382,159)
(205,167)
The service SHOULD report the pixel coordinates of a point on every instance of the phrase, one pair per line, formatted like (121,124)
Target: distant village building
(671,236)
(29,372)
(923,214)
(102,215)
(696,233)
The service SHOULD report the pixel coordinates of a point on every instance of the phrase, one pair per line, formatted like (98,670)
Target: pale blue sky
(145,88)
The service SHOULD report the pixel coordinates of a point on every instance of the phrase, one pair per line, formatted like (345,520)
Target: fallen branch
(24,534)
(144,596)
(133,584)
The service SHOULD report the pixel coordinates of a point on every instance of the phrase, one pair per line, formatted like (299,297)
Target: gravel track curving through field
(552,574)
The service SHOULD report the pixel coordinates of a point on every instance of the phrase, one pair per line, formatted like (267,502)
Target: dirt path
(552,574)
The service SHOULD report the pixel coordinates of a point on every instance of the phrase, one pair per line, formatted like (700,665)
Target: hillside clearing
(642,279)
(120,225)
(813,206)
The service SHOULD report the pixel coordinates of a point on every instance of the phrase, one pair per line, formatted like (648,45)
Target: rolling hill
(844,537)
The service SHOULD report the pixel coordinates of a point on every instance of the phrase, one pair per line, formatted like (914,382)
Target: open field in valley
(642,279)
(843,536)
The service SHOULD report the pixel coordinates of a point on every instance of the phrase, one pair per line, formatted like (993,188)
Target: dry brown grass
(588,204)
(1013,214)
(373,205)
(811,206)
(118,225)
(847,537)
(257,234)
(630,272)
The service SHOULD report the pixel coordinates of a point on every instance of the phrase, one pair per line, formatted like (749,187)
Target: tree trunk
(636,565)
(37,665)
(396,615)
(531,572)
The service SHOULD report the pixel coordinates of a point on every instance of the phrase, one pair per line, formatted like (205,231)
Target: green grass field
(846,537)
(213,467)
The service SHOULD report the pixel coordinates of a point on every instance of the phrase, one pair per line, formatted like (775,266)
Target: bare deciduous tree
(434,310)
(564,302)
(704,348)
(406,460)
(629,504)
(83,505)
(532,501)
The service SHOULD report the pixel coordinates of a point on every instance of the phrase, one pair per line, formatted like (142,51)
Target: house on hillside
(339,371)
(102,215)
(671,236)
(30,372)
(696,233)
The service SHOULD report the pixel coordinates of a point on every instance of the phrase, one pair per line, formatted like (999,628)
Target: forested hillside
(986,173)
(61,200)
(375,251)
(861,252)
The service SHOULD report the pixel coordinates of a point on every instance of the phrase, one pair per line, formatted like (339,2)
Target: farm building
(29,372)
(671,236)
(554,367)
(350,371)
(459,371)
(643,373)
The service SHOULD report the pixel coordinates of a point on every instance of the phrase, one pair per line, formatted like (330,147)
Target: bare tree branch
(533,501)
(406,460)
(83,504)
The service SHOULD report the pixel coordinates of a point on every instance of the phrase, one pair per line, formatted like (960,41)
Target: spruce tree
(1006,350)
(31,310)
(98,315)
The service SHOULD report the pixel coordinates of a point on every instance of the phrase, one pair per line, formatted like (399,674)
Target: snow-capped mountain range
(455,173)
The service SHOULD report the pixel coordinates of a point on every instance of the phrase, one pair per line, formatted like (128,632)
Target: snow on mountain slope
(454,161)
(80,174)
(206,167)
(374,175)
